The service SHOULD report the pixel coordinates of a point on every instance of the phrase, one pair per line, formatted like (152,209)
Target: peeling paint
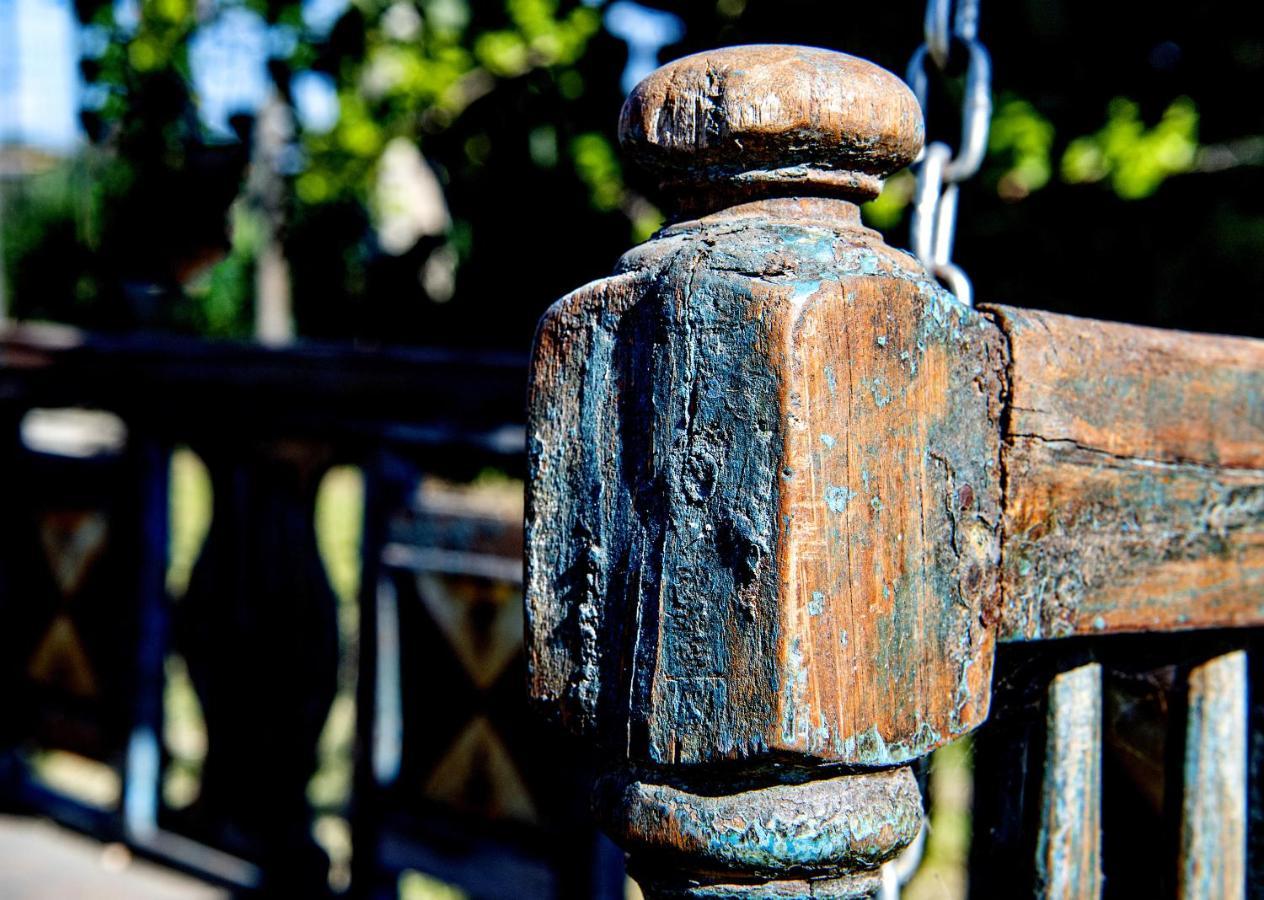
(837,498)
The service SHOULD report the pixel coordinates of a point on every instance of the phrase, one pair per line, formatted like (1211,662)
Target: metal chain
(939,169)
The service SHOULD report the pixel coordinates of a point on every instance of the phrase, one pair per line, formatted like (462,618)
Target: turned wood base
(808,838)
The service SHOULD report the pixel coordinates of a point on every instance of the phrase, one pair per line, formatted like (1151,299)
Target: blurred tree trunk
(274,314)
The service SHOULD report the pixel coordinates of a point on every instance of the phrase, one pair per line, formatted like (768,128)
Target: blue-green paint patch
(810,242)
(831,380)
(794,692)
(803,291)
(876,504)
(882,340)
(816,605)
(828,440)
(880,391)
(837,498)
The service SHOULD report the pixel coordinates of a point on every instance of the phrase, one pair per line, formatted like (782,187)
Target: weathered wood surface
(763,490)
(1068,849)
(1134,472)
(763,497)
(785,493)
(770,120)
(782,515)
(1214,810)
(772,832)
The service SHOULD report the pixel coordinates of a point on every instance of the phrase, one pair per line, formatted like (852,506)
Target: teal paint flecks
(837,498)
(662,404)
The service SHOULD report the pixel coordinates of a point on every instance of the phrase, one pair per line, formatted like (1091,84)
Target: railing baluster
(1213,825)
(1068,860)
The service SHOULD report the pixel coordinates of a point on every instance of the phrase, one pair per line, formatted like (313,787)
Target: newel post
(763,500)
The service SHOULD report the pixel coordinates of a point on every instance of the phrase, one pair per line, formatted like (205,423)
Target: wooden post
(764,496)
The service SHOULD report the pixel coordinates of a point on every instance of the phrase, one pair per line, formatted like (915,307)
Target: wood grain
(1068,849)
(769,120)
(812,829)
(1213,827)
(763,501)
(1134,471)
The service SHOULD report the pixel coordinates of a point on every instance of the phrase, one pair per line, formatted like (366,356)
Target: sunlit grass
(942,875)
(417,886)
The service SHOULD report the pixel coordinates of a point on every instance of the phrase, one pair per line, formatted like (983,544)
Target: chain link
(939,169)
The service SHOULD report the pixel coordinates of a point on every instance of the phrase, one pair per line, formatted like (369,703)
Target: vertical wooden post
(763,497)
(258,627)
(1068,853)
(1214,814)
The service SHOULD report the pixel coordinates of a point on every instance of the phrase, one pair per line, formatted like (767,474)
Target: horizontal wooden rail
(1133,466)
(463,409)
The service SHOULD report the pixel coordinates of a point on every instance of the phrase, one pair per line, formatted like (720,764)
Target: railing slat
(1068,861)
(1213,826)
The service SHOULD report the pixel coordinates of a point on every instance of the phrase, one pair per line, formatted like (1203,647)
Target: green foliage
(409,69)
(598,167)
(1135,160)
(222,292)
(512,104)
(1021,143)
(419,73)
(888,208)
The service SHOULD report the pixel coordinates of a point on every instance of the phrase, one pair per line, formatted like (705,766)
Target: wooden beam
(1134,478)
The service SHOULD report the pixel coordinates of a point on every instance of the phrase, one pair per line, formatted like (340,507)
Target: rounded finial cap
(771,119)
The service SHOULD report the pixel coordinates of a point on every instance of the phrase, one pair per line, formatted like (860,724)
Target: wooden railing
(797,518)
(450,777)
